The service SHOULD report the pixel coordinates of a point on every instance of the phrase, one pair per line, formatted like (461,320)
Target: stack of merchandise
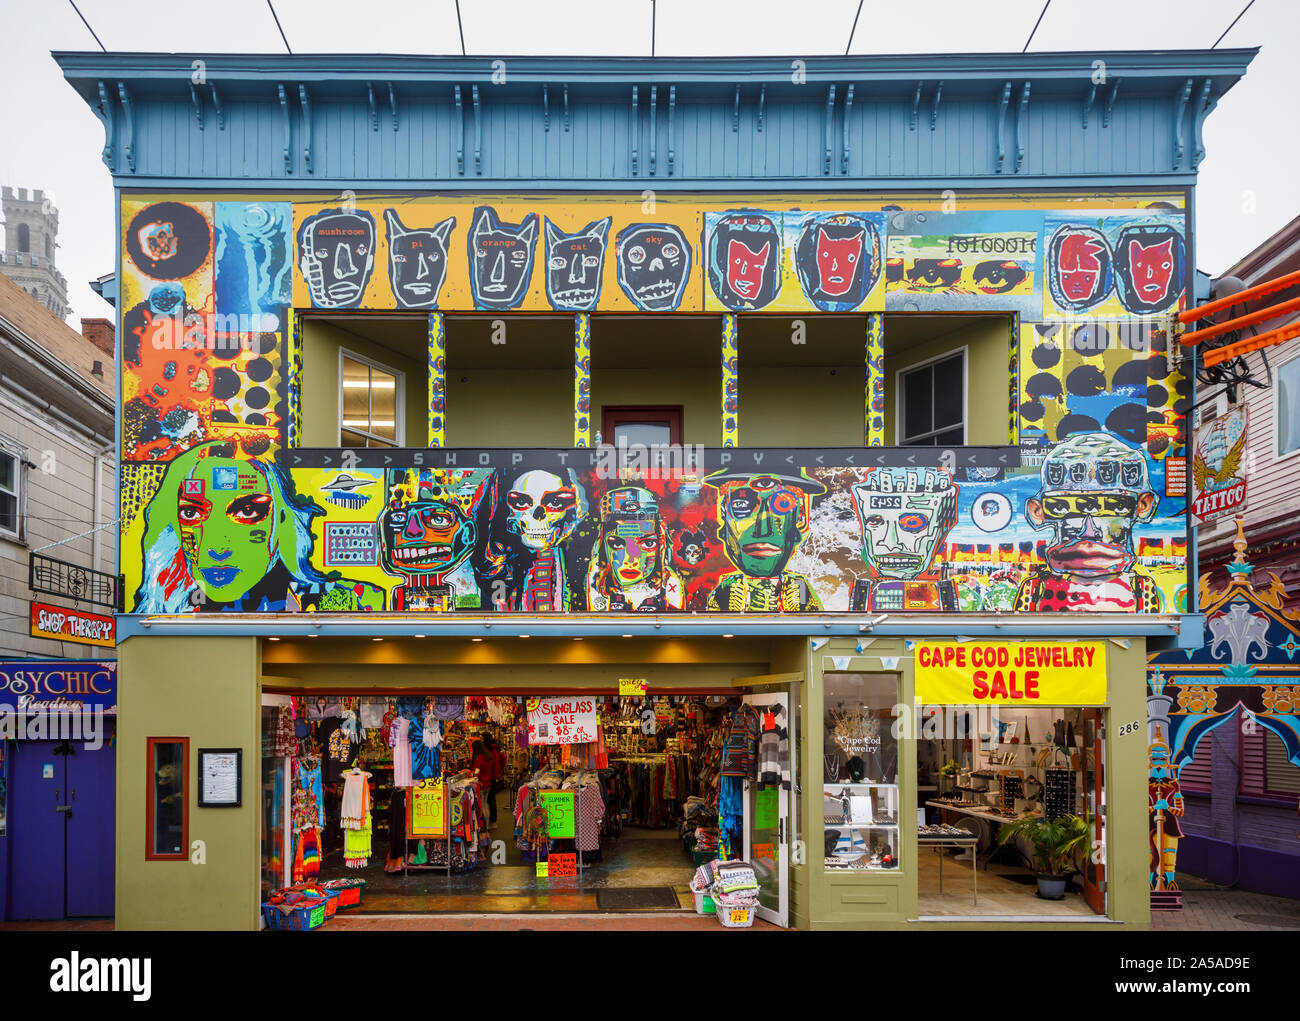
(733,888)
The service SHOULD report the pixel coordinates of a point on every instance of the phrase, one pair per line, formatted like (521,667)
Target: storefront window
(860,782)
(168,798)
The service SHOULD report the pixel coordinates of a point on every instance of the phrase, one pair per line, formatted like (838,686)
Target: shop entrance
(1013,811)
(511,800)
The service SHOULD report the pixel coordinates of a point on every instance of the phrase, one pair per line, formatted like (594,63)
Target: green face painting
(225,511)
(763,522)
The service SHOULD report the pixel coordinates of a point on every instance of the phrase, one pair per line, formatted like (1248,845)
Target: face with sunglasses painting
(1094,491)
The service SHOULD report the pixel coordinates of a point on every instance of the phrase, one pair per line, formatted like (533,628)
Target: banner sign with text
(1219,463)
(427,809)
(560,822)
(1049,673)
(59,685)
(64,624)
(569,720)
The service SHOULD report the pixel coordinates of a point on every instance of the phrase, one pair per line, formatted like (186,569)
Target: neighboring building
(1238,774)
(888,318)
(57,498)
(31,241)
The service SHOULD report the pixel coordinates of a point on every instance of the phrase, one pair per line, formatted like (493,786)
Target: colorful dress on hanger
(399,742)
(355,819)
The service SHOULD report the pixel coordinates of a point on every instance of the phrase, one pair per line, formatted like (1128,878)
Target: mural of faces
(1079,271)
(654,262)
(837,259)
(225,514)
(905,514)
(423,529)
(631,538)
(1149,262)
(745,261)
(763,519)
(544,509)
(575,265)
(500,259)
(1094,489)
(336,254)
(417,261)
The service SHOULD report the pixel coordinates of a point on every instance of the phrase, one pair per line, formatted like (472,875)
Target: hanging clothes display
(354,818)
(308,817)
(424,734)
(774,748)
(402,763)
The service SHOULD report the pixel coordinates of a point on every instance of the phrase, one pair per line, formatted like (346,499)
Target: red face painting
(837,262)
(745,267)
(1152,268)
(1080,266)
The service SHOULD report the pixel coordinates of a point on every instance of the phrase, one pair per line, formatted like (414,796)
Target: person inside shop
(484,766)
(498,777)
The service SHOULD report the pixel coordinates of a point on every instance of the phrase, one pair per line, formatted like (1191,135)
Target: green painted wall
(321,341)
(204,689)
(988,344)
(510,408)
(696,388)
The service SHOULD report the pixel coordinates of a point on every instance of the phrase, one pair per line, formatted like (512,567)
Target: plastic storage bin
(703,903)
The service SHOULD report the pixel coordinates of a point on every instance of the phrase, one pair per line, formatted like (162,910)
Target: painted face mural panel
(223,533)
(500,259)
(838,260)
(427,531)
(654,263)
(1150,264)
(744,260)
(631,571)
(417,260)
(1079,268)
(575,265)
(336,255)
(982,260)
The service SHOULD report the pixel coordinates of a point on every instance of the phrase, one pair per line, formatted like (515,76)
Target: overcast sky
(50,139)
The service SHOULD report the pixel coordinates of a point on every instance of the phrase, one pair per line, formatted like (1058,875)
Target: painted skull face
(544,509)
(500,259)
(424,529)
(417,261)
(692,547)
(1079,273)
(764,520)
(1095,488)
(745,261)
(1149,263)
(654,262)
(336,254)
(575,264)
(225,514)
(905,513)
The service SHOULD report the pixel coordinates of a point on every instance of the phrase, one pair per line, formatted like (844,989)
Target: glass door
(767,805)
(1094,808)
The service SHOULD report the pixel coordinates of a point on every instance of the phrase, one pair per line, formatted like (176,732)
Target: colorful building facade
(907,314)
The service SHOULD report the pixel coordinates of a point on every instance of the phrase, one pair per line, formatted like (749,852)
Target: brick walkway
(1207,908)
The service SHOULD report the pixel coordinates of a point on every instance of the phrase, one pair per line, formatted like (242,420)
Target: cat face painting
(575,264)
(500,259)
(417,261)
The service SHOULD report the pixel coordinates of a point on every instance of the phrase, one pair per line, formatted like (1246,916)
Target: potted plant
(1055,843)
(947,774)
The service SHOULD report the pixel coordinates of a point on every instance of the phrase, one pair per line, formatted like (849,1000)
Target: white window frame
(1276,415)
(899,398)
(19,492)
(399,406)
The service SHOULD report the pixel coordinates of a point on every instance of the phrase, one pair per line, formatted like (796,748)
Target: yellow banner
(1050,673)
(629,687)
(427,809)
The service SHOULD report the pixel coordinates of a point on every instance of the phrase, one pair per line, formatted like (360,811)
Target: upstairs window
(1288,407)
(932,403)
(24,238)
(371,403)
(10,495)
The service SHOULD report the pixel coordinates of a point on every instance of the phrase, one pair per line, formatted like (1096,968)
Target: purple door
(90,845)
(61,837)
(36,830)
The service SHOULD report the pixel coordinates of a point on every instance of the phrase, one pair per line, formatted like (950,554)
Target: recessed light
(728,636)
(525,636)
(309,635)
(273,638)
(627,636)
(419,636)
(576,639)
(376,639)
(476,639)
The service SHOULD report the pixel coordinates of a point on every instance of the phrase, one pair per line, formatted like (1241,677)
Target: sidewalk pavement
(1207,907)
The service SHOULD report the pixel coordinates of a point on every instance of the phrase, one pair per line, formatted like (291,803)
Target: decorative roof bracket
(672,108)
(460,131)
(1003,101)
(392,103)
(478,131)
(1110,103)
(1179,116)
(546,109)
(128,139)
(216,105)
(636,130)
(1203,108)
(654,112)
(104,111)
(830,123)
(198,104)
(735,112)
(566,106)
(1087,104)
(305,100)
(1021,115)
(916,105)
(934,109)
(374,107)
(284,109)
(762,105)
(848,105)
